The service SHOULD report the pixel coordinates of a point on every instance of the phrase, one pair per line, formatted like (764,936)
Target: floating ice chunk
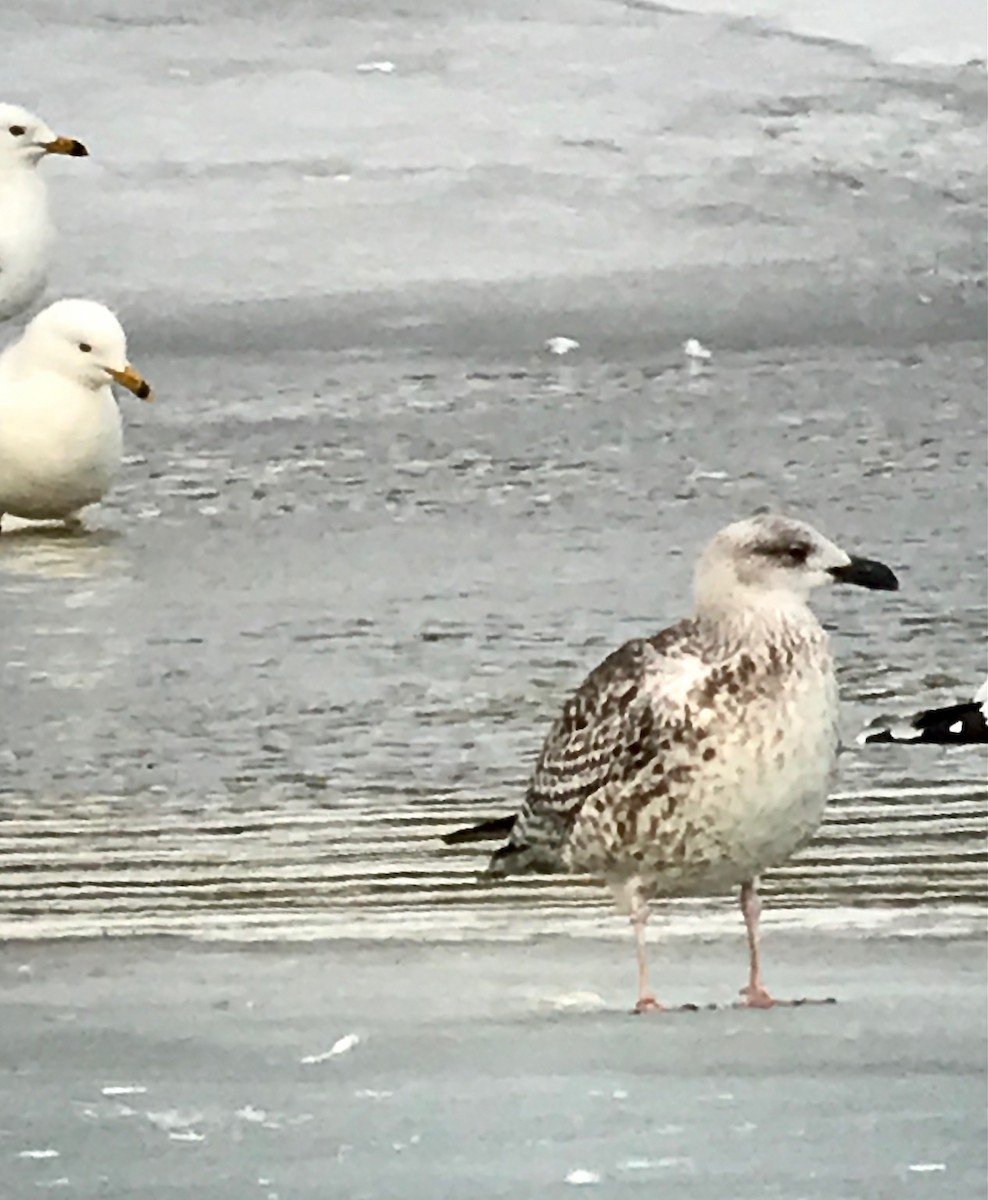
(573,1002)
(561,345)
(697,355)
(250,1113)
(124,1089)
(340,1046)
(383,67)
(922,1168)
(581,1178)
(49,1153)
(656,1164)
(177,1125)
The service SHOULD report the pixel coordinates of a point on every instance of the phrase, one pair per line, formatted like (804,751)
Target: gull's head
(770,561)
(25,139)
(82,341)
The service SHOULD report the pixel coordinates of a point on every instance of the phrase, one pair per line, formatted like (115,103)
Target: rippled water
(333,605)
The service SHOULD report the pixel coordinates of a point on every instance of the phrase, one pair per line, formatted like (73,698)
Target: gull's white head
(25,139)
(770,560)
(82,341)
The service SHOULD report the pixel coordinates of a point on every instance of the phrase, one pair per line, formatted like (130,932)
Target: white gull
(688,763)
(26,231)
(61,439)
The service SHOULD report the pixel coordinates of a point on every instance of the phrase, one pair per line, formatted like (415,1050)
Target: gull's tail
(492,829)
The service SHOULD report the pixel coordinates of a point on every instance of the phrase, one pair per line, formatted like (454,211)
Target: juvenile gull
(689,762)
(60,432)
(25,227)
(964,724)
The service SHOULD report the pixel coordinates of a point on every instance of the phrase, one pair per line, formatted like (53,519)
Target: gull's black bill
(866,572)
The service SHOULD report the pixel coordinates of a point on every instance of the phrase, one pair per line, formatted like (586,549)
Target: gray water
(302,642)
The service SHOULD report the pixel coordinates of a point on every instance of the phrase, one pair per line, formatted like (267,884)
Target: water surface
(305,637)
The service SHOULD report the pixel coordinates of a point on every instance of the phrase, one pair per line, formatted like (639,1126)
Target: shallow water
(305,638)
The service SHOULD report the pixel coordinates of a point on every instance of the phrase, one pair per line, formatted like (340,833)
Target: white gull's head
(25,139)
(81,341)
(770,561)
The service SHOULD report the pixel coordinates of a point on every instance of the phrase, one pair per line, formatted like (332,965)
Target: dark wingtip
(489,830)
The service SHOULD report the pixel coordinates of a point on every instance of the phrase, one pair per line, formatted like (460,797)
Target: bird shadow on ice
(55,551)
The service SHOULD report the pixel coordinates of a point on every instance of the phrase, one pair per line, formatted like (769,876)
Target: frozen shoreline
(414,1071)
(908,32)
(635,172)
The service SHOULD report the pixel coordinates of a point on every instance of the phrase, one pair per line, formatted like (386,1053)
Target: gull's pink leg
(755,994)
(639,918)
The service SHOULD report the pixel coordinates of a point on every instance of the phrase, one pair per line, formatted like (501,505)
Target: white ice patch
(581,1178)
(382,67)
(572,1002)
(250,1113)
(177,1125)
(560,344)
(123,1089)
(697,355)
(657,1164)
(924,1168)
(340,1046)
(49,1153)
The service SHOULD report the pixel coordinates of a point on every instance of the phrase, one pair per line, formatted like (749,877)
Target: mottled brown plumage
(689,762)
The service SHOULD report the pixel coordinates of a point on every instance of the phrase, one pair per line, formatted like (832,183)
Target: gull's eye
(85,347)
(18,130)
(798,552)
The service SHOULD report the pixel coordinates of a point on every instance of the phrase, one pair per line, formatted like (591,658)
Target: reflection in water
(56,551)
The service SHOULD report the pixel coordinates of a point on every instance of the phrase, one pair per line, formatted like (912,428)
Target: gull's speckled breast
(690,761)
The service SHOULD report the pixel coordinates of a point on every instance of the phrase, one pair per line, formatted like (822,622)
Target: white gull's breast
(26,236)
